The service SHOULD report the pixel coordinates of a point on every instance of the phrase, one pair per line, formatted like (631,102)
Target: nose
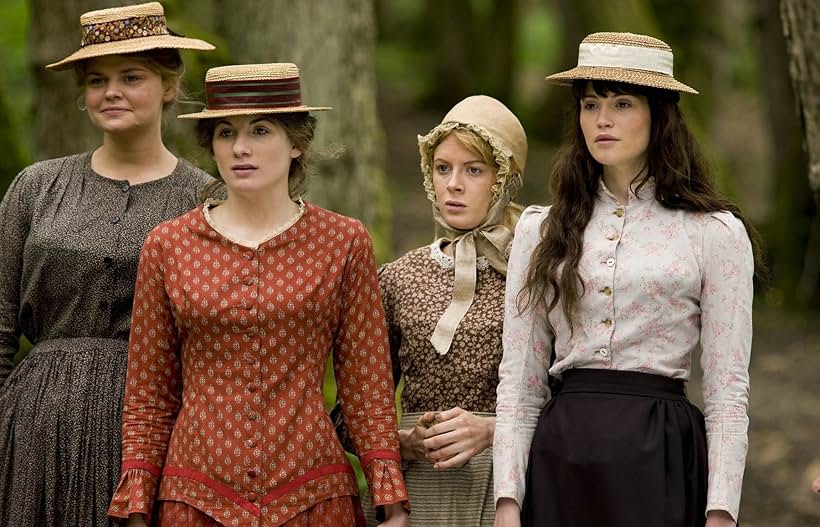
(456,181)
(112,90)
(241,146)
(604,120)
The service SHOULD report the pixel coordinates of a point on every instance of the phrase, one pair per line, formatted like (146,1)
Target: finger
(446,415)
(426,419)
(446,452)
(454,462)
(436,441)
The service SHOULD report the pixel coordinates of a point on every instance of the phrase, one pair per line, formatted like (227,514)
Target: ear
(295,152)
(170,89)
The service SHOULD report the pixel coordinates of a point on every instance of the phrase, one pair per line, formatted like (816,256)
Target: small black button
(126,187)
(103,305)
(115,220)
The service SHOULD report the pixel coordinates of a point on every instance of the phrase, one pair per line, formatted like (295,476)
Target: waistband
(585,380)
(78,344)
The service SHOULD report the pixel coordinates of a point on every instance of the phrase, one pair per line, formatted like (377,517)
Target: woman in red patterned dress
(238,304)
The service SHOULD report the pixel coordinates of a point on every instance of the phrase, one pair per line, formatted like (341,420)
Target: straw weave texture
(626,39)
(120,13)
(240,72)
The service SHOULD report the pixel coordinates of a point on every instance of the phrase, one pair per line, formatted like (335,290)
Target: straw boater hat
(248,89)
(128,29)
(623,57)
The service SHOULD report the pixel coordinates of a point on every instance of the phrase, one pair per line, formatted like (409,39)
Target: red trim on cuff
(142,465)
(379,454)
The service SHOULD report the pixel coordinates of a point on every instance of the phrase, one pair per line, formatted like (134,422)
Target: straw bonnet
(248,89)
(500,128)
(128,29)
(623,57)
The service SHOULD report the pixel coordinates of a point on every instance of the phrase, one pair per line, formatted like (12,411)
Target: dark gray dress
(69,247)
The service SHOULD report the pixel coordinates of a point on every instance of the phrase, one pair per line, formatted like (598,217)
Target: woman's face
(616,129)
(463,184)
(253,153)
(123,95)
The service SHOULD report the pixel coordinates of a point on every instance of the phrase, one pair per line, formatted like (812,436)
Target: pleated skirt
(617,449)
(60,429)
(458,497)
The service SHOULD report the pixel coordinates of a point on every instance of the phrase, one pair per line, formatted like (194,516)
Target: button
(619,213)
(613,237)
(252,496)
(604,352)
(254,416)
(252,474)
(607,322)
(607,291)
(108,261)
(251,443)
(103,305)
(253,330)
(610,262)
(253,387)
(249,280)
(247,255)
(115,220)
(126,187)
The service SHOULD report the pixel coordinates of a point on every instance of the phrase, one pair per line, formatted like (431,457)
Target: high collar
(644,195)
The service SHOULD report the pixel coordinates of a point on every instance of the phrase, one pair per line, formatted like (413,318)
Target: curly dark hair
(682,178)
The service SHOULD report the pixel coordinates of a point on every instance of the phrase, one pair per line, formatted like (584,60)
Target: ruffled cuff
(136,492)
(382,469)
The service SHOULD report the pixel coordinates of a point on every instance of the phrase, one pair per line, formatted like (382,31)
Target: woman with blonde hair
(444,304)
(70,233)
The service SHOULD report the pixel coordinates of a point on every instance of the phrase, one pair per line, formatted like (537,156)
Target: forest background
(392,68)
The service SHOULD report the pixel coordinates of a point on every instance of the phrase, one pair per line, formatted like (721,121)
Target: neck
(619,180)
(135,157)
(255,214)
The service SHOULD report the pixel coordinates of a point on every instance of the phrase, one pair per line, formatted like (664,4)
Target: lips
(114,109)
(604,138)
(453,203)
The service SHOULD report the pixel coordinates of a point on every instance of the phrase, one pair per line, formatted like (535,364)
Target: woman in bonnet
(70,234)
(238,304)
(444,308)
(638,263)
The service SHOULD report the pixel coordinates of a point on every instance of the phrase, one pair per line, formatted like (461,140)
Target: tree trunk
(333,45)
(58,126)
(801,26)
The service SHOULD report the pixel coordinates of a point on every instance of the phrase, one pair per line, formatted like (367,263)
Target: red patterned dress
(224,411)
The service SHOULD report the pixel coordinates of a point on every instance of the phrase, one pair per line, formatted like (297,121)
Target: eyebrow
(438,159)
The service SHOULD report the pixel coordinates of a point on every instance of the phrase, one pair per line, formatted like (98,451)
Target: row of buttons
(610,262)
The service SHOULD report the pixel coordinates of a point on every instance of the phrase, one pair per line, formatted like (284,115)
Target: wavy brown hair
(300,127)
(683,181)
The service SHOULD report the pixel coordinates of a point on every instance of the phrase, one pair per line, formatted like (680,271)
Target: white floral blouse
(659,284)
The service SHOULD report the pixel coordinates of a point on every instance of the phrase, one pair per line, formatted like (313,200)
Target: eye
(588,105)
(224,132)
(260,130)
(623,104)
(474,170)
(442,168)
(131,78)
(94,81)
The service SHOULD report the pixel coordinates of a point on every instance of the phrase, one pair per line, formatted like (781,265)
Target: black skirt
(617,449)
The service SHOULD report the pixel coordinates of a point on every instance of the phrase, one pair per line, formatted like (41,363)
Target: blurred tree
(801,27)
(333,45)
(58,126)
(787,230)
(12,160)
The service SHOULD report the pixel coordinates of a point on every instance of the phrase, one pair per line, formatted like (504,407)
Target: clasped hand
(447,439)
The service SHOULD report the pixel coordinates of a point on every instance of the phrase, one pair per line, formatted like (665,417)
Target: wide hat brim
(213,114)
(132,45)
(626,75)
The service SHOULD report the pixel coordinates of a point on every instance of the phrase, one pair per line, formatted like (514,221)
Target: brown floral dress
(416,290)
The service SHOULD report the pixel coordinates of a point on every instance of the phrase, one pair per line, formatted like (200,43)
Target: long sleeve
(386,286)
(153,386)
(726,340)
(522,389)
(15,218)
(363,370)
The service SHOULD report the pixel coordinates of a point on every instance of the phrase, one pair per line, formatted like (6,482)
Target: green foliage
(15,92)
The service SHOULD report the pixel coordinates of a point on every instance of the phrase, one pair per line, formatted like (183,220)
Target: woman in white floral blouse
(610,292)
